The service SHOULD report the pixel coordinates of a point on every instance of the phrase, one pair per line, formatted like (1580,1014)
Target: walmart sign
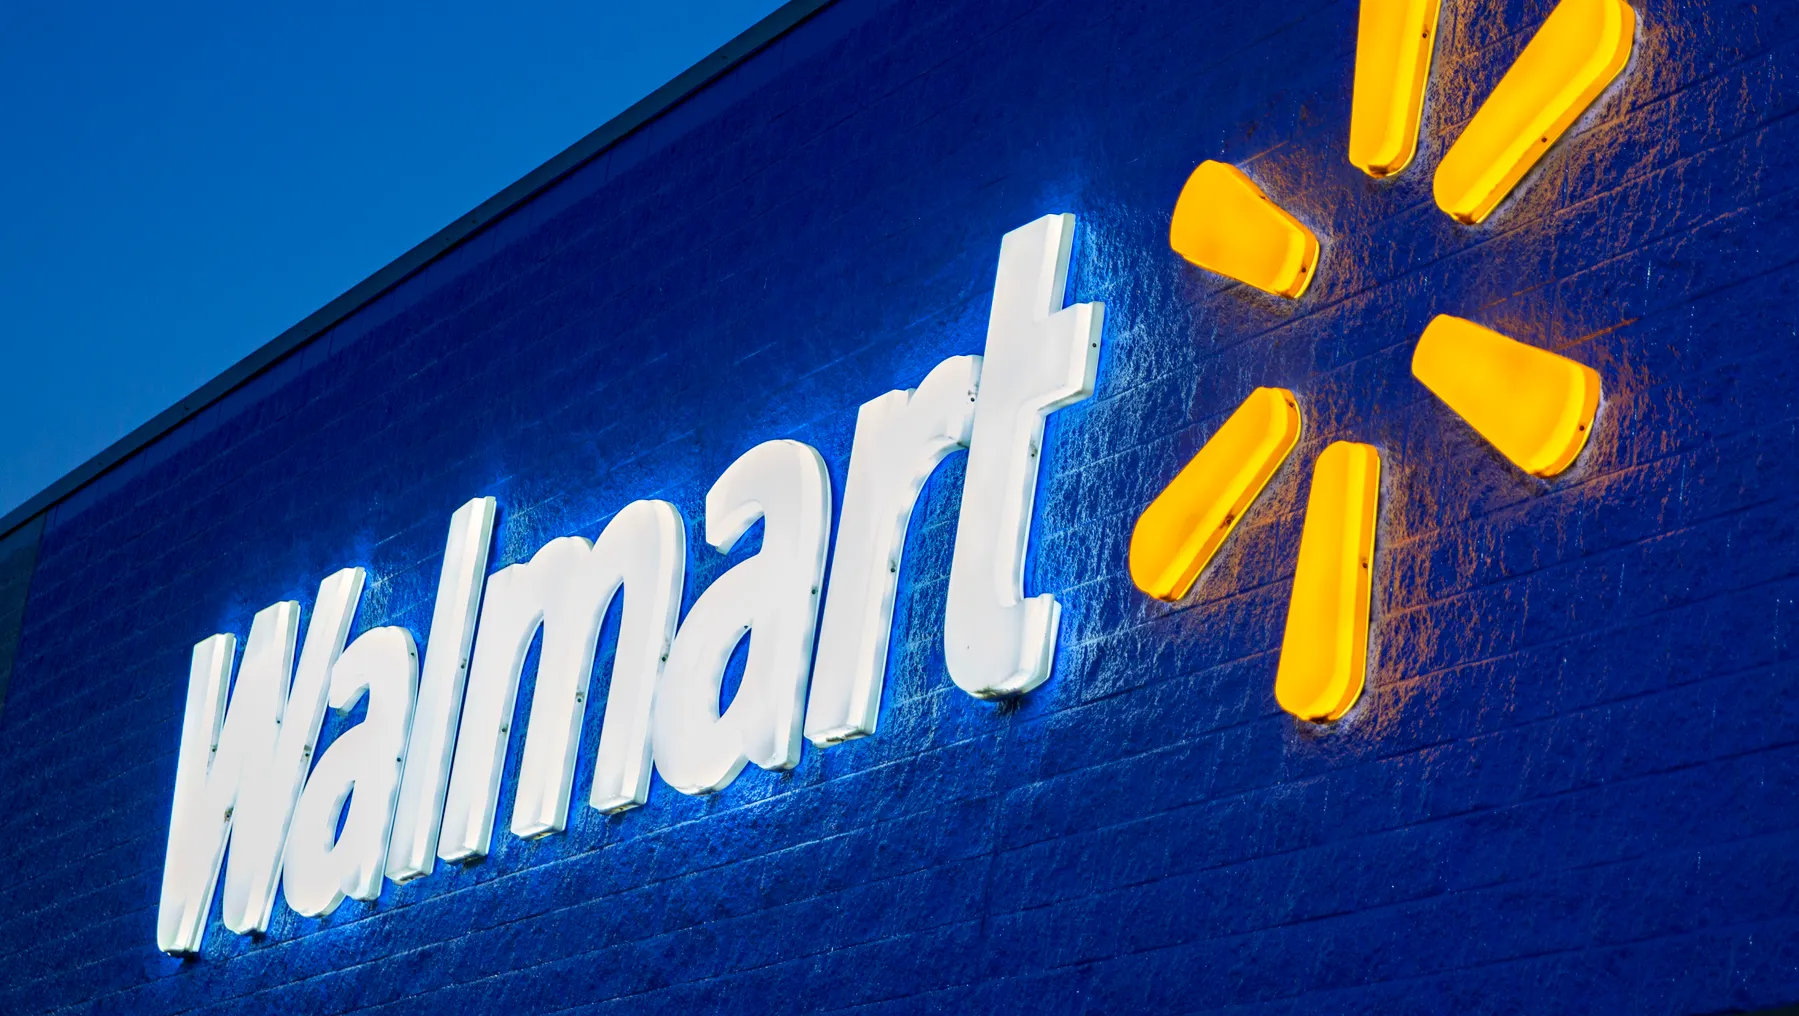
(418,779)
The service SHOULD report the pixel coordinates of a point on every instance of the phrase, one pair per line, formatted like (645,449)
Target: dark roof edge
(758,36)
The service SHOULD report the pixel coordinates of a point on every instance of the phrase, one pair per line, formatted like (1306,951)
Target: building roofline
(722,60)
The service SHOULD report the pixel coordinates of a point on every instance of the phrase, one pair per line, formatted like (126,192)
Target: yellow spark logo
(1536,408)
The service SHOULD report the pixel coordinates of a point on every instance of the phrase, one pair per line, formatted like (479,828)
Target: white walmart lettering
(419,778)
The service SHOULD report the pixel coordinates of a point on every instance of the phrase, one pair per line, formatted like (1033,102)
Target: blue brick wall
(1569,788)
(18,559)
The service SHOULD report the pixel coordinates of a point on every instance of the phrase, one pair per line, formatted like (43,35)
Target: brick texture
(18,559)
(1569,788)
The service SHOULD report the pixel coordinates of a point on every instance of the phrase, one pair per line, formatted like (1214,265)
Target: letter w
(240,769)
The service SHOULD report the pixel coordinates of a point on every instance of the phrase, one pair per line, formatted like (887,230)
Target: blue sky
(186,180)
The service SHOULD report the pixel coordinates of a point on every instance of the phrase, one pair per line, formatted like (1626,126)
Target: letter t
(1040,357)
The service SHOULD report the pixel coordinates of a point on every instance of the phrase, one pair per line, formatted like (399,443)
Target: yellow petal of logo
(1579,50)
(1225,223)
(1535,407)
(1185,525)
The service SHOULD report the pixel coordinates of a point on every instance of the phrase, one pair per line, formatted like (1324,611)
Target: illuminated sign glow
(418,780)
(1536,408)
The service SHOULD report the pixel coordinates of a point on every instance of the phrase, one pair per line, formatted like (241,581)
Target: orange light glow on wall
(1324,654)
(1534,406)
(1224,223)
(1581,47)
(1392,63)
(1180,531)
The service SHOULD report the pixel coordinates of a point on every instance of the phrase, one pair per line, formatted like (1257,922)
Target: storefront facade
(877,338)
